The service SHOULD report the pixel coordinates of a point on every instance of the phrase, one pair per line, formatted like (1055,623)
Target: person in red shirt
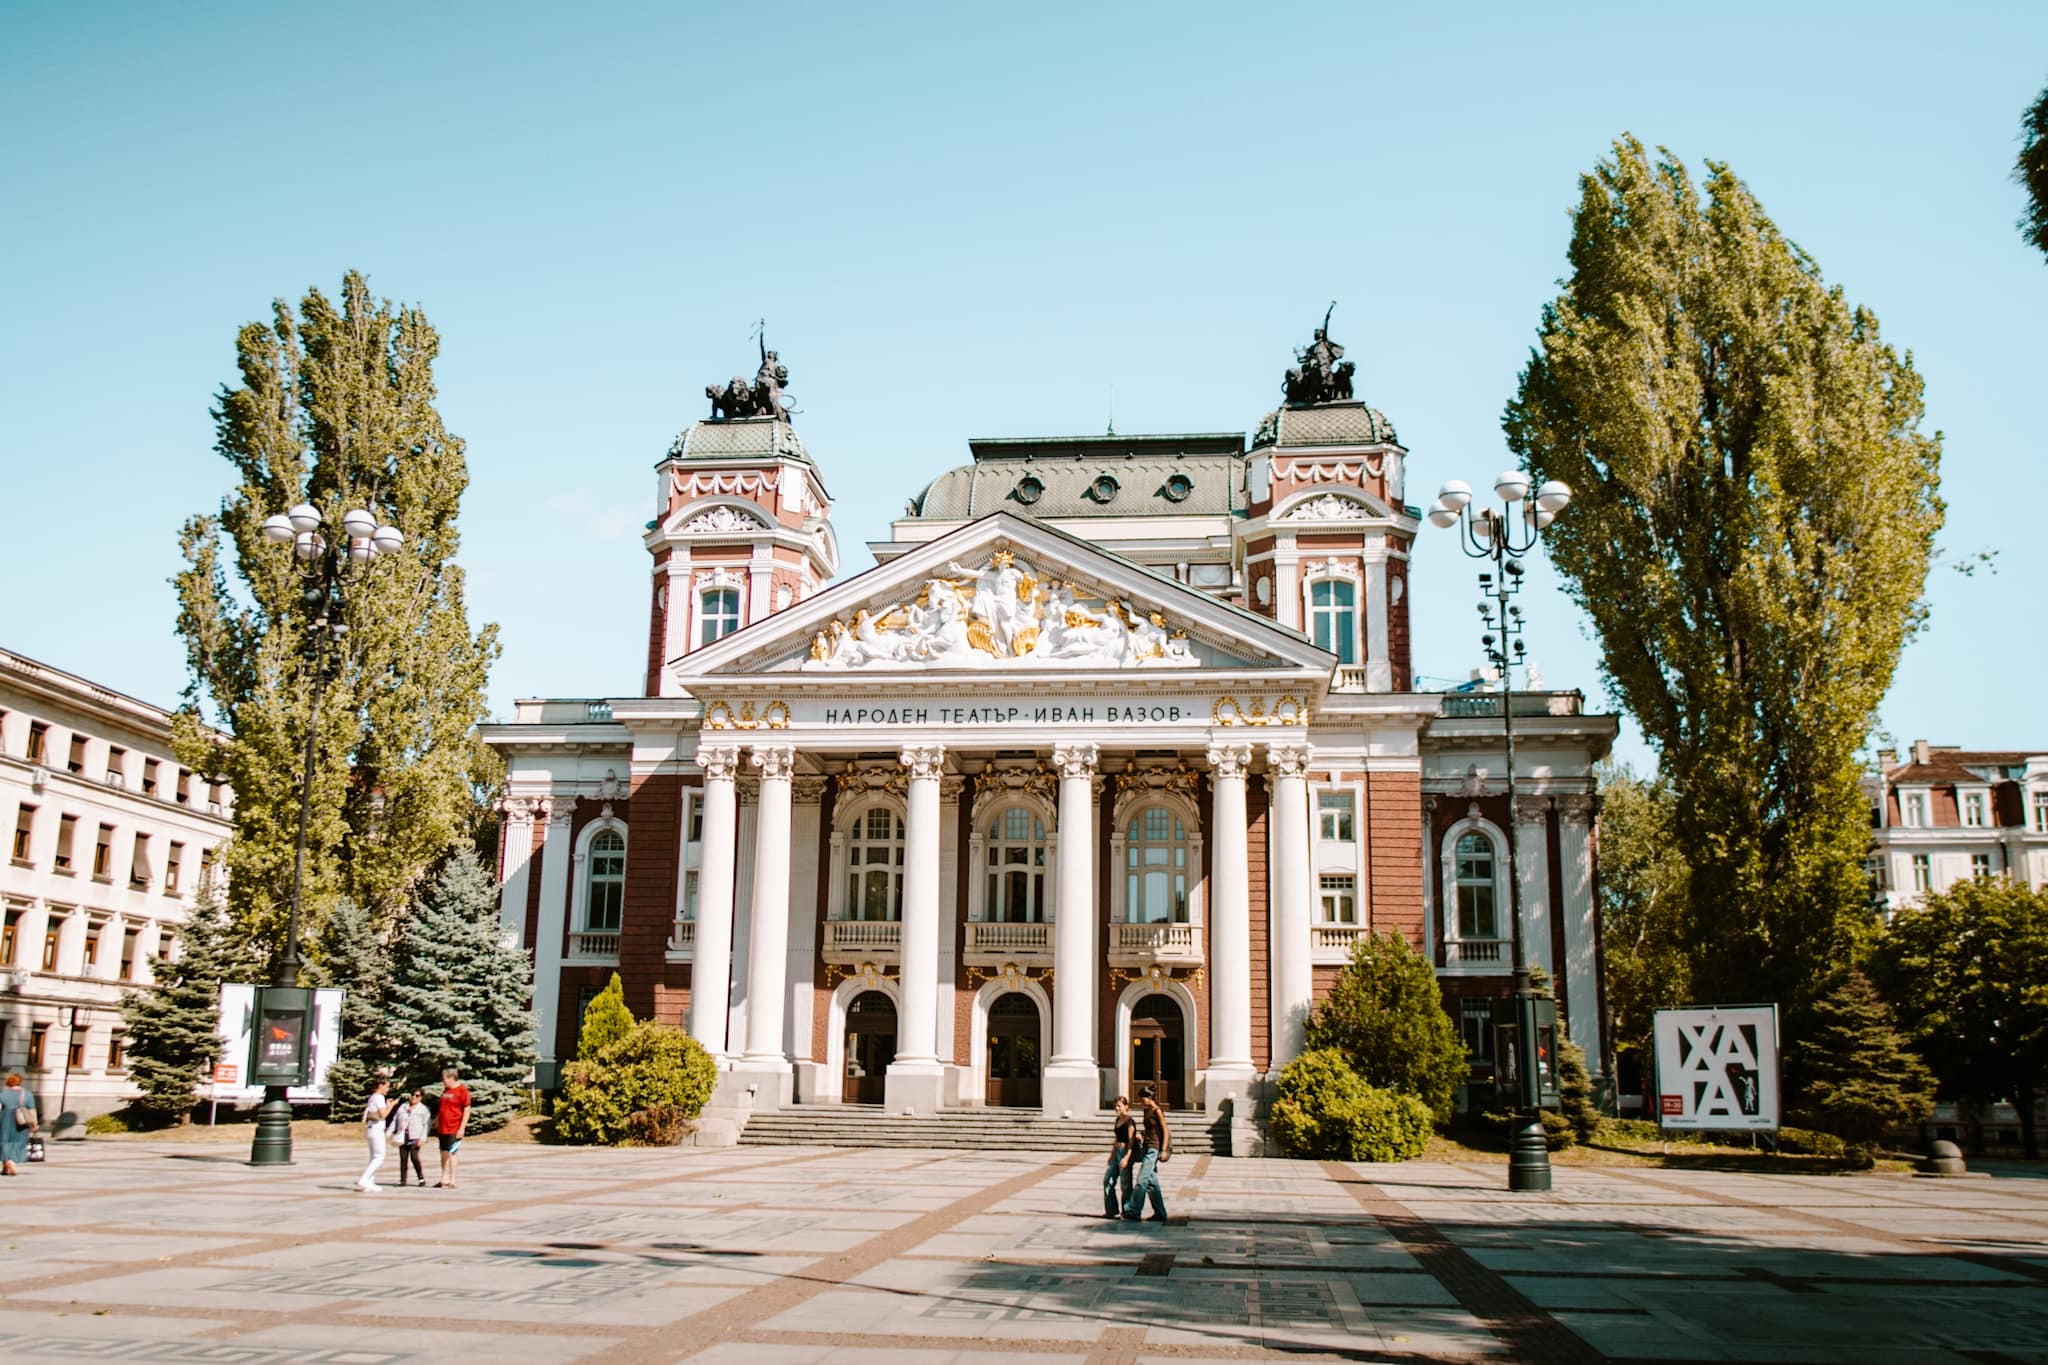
(451,1121)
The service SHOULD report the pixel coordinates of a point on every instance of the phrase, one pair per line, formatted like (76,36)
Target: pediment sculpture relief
(1003,613)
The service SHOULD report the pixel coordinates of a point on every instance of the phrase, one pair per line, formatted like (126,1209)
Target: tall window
(138,863)
(1973,809)
(1339,897)
(1475,1025)
(1156,868)
(103,853)
(874,866)
(117,766)
(24,831)
(719,610)
(606,884)
(67,832)
(38,741)
(1913,810)
(1923,874)
(10,934)
(75,761)
(2041,812)
(1016,866)
(38,1043)
(149,776)
(130,937)
(1333,618)
(1334,815)
(1475,887)
(174,862)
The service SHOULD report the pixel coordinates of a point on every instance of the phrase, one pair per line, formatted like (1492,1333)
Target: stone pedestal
(916,1086)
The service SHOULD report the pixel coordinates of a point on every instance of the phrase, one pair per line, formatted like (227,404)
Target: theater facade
(1090,783)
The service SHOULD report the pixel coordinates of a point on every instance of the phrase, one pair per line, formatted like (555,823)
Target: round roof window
(1104,489)
(1178,487)
(1029,489)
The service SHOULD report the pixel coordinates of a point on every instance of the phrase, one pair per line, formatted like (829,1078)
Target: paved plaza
(164,1251)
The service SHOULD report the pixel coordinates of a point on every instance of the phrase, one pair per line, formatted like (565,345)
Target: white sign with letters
(1717,1069)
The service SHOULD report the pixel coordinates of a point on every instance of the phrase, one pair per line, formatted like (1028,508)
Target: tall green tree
(174,1025)
(1385,1014)
(1967,971)
(335,407)
(1643,881)
(2032,172)
(355,958)
(1859,1076)
(458,994)
(1756,509)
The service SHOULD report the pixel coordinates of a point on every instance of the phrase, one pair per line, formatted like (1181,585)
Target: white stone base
(919,1087)
(773,1085)
(1236,1093)
(1077,1091)
(733,1100)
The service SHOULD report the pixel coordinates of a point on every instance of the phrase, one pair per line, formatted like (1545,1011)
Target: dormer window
(1104,489)
(1177,488)
(1913,810)
(1975,809)
(1029,489)
(720,614)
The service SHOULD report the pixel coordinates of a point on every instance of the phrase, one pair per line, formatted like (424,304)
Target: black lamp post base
(1529,1158)
(273,1144)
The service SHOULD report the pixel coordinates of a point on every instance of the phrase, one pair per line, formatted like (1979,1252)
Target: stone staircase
(995,1130)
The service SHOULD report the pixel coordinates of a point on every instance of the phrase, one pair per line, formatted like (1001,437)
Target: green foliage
(1643,879)
(645,1087)
(335,407)
(1326,1112)
(1853,1071)
(1385,1015)
(1575,1092)
(458,994)
(1967,971)
(1807,1142)
(1754,516)
(174,1026)
(2032,172)
(605,1022)
(353,958)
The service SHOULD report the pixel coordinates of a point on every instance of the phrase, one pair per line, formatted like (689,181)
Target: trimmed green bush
(1325,1111)
(1385,1013)
(647,1086)
(605,1022)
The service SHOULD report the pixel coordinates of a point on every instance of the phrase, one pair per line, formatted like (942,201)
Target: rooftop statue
(1323,375)
(764,397)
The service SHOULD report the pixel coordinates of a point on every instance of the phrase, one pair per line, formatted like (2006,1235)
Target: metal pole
(1529,1150)
(64,1089)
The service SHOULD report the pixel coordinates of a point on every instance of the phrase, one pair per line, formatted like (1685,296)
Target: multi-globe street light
(1489,534)
(325,569)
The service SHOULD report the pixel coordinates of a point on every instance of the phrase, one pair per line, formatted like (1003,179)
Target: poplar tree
(1754,516)
(335,407)
(1642,886)
(2032,172)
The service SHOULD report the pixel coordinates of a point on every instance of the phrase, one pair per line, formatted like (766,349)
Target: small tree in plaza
(644,1087)
(605,1022)
(1857,1076)
(1385,1015)
(174,1028)
(458,994)
(1324,1111)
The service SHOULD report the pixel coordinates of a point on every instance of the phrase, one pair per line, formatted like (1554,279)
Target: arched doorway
(1013,1061)
(870,1046)
(1159,1050)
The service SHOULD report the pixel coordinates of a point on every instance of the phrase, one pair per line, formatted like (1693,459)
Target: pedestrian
(409,1123)
(1158,1146)
(451,1121)
(1123,1148)
(376,1113)
(18,1120)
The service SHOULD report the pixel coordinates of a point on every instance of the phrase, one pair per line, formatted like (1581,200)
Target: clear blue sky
(958,221)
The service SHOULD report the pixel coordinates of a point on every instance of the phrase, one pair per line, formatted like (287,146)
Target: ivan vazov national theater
(1090,784)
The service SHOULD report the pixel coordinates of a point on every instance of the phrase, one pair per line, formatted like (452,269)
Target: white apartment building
(110,840)
(1948,814)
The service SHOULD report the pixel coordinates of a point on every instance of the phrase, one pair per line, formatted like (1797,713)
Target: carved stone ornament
(1182,779)
(720,762)
(1000,613)
(775,762)
(994,785)
(1532,810)
(714,520)
(561,810)
(925,761)
(748,715)
(609,788)
(1075,760)
(517,810)
(1323,375)
(1575,810)
(1328,507)
(1254,711)
(1230,760)
(1287,760)
(807,791)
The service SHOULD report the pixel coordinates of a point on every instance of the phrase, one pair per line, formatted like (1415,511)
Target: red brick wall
(1397,625)
(657,625)
(652,863)
(1448,811)
(1255,802)
(1394,851)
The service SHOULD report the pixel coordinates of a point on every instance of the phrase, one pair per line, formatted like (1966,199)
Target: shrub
(1806,1142)
(1386,1016)
(1575,1091)
(1325,1111)
(605,1022)
(651,1071)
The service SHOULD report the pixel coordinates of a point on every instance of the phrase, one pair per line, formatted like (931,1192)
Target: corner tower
(742,525)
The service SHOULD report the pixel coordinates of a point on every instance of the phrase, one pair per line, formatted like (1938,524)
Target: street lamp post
(325,568)
(1485,533)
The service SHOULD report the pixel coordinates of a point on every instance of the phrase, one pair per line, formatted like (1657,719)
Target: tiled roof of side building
(1092,476)
(1958,765)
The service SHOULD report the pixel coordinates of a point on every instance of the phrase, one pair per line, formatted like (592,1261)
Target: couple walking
(1141,1144)
(410,1119)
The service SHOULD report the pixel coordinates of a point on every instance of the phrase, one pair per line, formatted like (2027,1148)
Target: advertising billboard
(1717,1069)
(238,1022)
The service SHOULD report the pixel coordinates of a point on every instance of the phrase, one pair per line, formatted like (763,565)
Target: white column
(518,860)
(1292,893)
(552,924)
(950,910)
(1581,941)
(1532,856)
(803,916)
(1230,923)
(711,965)
(916,1079)
(1073,1080)
(768,922)
(1379,658)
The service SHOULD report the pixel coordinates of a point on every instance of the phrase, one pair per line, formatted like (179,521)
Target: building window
(1980,865)
(103,853)
(67,832)
(1973,809)
(719,610)
(2041,812)
(182,794)
(174,859)
(76,761)
(1016,867)
(1923,875)
(1475,1026)
(38,741)
(54,928)
(130,938)
(149,776)
(117,1052)
(694,821)
(1475,887)
(74,1051)
(1333,618)
(690,894)
(24,831)
(1335,815)
(874,866)
(93,930)
(205,869)
(9,934)
(1156,868)
(38,1043)
(1339,895)
(606,885)
(117,766)
(138,864)
(1913,810)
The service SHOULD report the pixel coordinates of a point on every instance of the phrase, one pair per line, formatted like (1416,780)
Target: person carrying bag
(18,1125)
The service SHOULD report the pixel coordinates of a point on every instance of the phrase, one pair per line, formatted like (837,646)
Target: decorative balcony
(1332,942)
(1476,954)
(851,942)
(993,944)
(595,945)
(1143,945)
(682,941)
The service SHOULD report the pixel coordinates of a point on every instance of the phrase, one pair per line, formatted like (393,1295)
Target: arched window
(1477,917)
(1156,868)
(606,883)
(1333,617)
(874,866)
(1016,866)
(719,610)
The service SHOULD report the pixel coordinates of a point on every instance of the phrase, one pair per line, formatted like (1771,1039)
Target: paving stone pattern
(170,1253)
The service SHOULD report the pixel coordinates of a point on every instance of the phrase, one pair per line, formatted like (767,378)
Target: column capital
(1230,760)
(1576,810)
(1075,760)
(560,810)
(775,761)
(808,790)
(720,762)
(1287,758)
(517,810)
(1531,810)
(925,761)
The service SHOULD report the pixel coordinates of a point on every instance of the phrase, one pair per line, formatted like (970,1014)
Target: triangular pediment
(1012,596)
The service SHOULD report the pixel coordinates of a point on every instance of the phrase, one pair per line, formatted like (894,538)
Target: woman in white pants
(375,1111)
